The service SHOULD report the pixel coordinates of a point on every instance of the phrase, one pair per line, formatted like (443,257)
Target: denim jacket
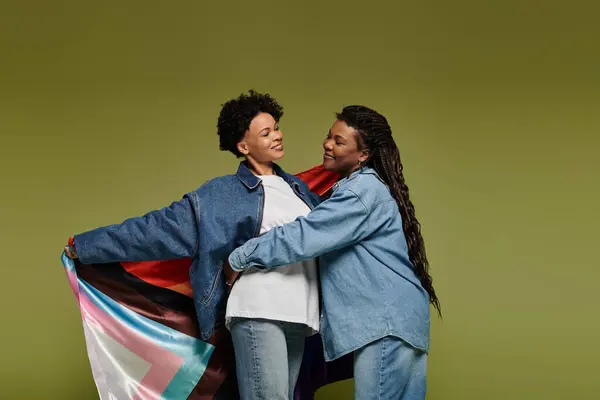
(206,225)
(368,284)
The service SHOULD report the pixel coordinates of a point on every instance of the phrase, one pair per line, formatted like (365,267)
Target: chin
(329,164)
(278,155)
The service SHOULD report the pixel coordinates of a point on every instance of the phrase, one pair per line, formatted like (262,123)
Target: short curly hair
(236,115)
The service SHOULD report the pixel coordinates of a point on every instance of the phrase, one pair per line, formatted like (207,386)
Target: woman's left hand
(230,275)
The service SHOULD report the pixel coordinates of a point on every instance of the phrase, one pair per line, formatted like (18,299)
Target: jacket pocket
(208,296)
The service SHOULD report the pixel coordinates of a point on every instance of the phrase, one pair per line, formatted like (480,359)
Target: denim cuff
(236,260)
(81,249)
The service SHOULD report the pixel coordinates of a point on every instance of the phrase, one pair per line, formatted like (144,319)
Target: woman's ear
(242,147)
(364,156)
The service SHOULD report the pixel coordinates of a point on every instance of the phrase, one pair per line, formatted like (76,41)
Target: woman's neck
(260,168)
(346,174)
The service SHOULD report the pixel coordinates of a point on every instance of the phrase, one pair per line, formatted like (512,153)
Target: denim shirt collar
(252,181)
(361,170)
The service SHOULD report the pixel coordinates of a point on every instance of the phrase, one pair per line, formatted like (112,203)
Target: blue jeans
(389,368)
(268,355)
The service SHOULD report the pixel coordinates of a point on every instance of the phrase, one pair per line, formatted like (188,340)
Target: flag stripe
(164,306)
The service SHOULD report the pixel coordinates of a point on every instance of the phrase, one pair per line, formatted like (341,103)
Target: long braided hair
(384,157)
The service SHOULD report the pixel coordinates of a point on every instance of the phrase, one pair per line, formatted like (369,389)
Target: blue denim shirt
(206,225)
(369,287)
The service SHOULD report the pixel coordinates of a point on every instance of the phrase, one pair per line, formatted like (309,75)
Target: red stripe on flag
(164,273)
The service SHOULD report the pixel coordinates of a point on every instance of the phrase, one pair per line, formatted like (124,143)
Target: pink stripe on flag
(165,363)
(72,277)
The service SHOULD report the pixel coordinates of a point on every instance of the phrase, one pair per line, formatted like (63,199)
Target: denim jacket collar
(251,181)
(362,170)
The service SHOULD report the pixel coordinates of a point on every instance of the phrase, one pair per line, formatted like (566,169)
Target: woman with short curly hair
(269,314)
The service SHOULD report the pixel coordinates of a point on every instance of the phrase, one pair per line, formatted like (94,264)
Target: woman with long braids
(376,288)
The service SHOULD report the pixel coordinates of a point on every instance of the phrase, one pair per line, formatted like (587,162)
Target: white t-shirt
(287,293)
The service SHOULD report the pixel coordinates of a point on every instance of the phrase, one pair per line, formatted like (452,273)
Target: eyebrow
(338,136)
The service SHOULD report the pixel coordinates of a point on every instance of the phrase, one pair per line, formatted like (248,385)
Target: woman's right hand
(70,249)
(230,275)
(71,252)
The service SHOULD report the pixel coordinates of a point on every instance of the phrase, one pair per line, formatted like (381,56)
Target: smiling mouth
(278,147)
(328,156)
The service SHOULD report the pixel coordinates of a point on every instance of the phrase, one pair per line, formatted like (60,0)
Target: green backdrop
(108,109)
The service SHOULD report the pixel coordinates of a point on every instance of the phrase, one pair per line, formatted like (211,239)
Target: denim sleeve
(168,233)
(337,222)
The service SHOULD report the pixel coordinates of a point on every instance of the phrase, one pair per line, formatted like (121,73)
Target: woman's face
(263,142)
(341,150)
